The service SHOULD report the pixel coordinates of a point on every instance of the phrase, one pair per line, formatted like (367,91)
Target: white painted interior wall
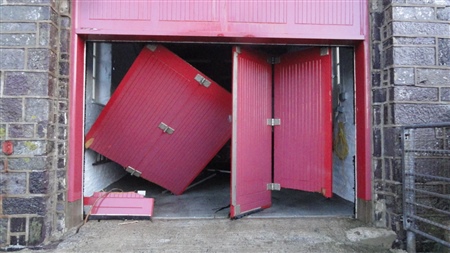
(98,89)
(344,170)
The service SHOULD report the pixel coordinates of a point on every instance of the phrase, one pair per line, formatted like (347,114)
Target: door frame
(77,91)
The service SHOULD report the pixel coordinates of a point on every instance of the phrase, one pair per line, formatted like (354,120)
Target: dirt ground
(214,235)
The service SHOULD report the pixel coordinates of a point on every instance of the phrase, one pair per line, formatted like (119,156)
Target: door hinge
(273,122)
(324,51)
(273,187)
(152,47)
(273,60)
(203,81)
(133,171)
(166,128)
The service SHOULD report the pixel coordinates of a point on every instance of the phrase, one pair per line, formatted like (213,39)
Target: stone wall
(411,82)
(34,53)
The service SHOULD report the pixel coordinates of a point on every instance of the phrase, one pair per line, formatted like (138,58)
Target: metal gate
(426,183)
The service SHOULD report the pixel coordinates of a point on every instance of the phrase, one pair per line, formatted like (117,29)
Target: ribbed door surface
(302,143)
(251,138)
(161,88)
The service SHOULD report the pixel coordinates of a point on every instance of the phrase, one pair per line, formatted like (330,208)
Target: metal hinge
(273,122)
(166,128)
(324,51)
(273,60)
(203,81)
(152,47)
(273,187)
(133,171)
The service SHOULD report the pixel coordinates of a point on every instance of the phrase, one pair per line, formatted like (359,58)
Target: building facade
(408,60)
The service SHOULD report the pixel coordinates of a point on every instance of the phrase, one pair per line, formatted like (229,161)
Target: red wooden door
(252,137)
(166,120)
(302,100)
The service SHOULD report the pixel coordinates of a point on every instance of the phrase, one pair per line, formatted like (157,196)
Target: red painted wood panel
(305,19)
(302,143)
(252,137)
(160,87)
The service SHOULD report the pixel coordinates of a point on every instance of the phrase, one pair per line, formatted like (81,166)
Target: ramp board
(251,168)
(166,120)
(302,143)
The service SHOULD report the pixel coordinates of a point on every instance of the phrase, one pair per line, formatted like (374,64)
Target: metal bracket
(133,171)
(273,60)
(273,122)
(203,81)
(166,128)
(324,51)
(152,47)
(273,187)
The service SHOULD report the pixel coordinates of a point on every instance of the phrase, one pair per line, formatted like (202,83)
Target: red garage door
(166,120)
(302,126)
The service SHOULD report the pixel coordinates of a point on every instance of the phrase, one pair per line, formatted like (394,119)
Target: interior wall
(344,170)
(98,93)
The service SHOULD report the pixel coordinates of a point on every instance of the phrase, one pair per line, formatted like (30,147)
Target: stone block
(18,225)
(377,115)
(17,39)
(402,76)
(435,77)
(2,131)
(12,58)
(26,83)
(28,13)
(410,93)
(65,41)
(27,163)
(64,68)
(445,94)
(38,182)
(21,27)
(444,52)
(413,13)
(41,59)
(443,13)
(420,29)
(414,56)
(414,41)
(3,231)
(21,131)
(13,183)
(65,22)
(36,234)
(407,114)
(31,148)
(379,95)
(48,35)
(32,205)
(37,109)
(376,142)
(11,109)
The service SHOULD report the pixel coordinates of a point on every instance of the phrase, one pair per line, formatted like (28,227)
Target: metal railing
(426,183)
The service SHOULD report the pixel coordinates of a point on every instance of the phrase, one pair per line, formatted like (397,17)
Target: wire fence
(426,183)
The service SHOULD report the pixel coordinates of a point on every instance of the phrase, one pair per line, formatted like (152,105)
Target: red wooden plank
(160,88)
(306,19)
(302,143)
(252,137)
(119,204)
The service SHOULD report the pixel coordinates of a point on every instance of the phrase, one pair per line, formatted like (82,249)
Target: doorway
(212,192)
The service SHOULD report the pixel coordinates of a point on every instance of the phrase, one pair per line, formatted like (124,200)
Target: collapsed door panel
(302,143)
(251,138)
(166,120)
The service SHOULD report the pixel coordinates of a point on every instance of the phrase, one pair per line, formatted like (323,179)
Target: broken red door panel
(302,100)
(153,120)
(252,137)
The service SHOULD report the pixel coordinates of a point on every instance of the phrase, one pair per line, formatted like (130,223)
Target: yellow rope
(340,142)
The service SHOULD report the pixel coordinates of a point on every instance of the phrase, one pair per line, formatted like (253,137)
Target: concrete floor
(217,235)
(202,201)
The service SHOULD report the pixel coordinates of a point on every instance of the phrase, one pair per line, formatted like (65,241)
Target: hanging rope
(340,142)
